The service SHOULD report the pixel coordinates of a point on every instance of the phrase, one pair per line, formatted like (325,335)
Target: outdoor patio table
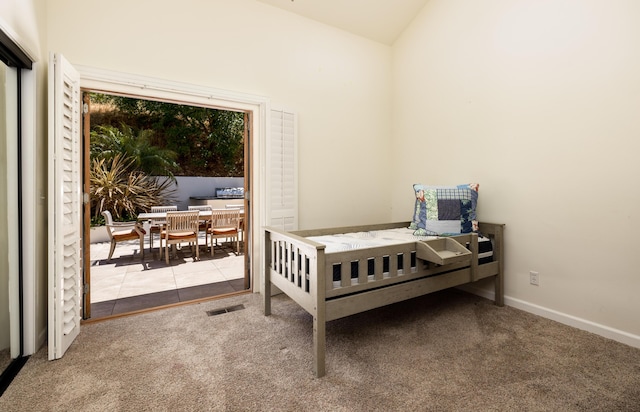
(161,215)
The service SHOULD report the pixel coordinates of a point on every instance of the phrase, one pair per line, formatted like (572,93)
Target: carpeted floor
(5,359)
(449,351)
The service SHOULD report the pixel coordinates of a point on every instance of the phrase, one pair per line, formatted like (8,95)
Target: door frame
(257,107)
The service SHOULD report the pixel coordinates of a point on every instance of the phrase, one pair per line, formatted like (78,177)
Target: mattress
(374,238)
(388,237)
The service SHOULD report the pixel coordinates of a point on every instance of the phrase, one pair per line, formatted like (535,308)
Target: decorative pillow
(445,210)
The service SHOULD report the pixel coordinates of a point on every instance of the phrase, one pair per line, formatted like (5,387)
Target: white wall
(533,99)
(22,19)
(337,82)
(538,101)
(188,186)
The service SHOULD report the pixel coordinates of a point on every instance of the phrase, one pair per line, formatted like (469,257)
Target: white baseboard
(569,320)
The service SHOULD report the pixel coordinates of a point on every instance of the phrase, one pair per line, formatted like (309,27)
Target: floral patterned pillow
(445,210)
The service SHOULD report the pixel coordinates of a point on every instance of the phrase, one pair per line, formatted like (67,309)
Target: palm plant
(108,141)
(116,186)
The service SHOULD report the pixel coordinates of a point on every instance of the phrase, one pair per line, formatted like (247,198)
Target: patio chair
(155,225)
(204,223)
(122,231)
(241,224)
(225,223)
(180,227)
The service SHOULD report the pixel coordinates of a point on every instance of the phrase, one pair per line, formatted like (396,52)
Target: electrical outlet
(534,278)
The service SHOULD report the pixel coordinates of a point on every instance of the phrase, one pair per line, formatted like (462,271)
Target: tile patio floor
(127,283)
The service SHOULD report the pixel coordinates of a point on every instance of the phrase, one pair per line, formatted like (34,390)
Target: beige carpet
(449,351)
(5,359)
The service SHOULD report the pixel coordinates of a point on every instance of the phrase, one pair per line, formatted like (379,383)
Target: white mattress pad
(360,240)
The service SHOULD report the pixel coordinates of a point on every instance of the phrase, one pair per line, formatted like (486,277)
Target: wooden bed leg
(319,346)
(499,294)
(266,299)
(499,279)
(266,276)
(317,271)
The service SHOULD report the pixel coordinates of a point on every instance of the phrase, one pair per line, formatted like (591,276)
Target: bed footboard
(292,265)
(302,270)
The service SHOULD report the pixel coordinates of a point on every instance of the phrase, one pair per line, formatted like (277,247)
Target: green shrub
(108,141)
(125,192)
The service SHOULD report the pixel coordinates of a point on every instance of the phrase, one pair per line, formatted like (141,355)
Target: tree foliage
(208,142)
(108,141)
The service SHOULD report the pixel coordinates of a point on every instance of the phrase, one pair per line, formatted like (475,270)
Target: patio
(126,283)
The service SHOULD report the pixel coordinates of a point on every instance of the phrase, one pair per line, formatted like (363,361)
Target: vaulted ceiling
(378,20)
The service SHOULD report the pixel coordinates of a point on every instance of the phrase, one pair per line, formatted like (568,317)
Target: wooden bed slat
(350,305)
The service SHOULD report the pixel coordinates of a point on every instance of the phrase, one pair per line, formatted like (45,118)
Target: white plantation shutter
(283,170)
(65,213)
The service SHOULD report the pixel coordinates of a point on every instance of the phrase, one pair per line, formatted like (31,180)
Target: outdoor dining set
(175,227)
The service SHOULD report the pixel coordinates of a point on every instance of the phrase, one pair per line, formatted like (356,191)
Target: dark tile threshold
(168,297)
(11,372)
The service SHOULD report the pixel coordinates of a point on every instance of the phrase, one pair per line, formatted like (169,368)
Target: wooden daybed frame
(302,270)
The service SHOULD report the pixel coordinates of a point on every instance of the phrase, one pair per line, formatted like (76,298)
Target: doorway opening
(201,156)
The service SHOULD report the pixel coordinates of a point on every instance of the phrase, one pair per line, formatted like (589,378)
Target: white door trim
(111,82)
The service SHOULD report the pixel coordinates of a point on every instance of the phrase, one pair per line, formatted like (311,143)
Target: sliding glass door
(5,319)
(12,64)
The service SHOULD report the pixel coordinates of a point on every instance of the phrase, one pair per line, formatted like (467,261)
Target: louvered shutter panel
(283,177)
(65,213)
